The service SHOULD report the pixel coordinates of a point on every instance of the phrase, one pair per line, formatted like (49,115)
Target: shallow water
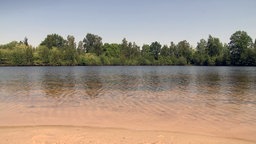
(208,100)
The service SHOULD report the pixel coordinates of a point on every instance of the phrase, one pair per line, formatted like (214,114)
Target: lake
(216,101)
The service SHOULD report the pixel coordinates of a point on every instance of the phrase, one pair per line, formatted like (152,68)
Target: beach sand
(97,135)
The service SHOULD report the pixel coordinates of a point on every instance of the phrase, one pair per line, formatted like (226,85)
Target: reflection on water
(206,93)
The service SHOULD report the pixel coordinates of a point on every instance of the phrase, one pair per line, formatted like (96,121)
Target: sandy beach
(69,125)
(97,135)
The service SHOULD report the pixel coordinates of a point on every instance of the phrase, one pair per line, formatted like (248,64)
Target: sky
(140,21)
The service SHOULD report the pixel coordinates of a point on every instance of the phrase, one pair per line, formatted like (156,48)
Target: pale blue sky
(141,21)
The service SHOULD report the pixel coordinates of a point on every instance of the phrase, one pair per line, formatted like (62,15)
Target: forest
(55,50)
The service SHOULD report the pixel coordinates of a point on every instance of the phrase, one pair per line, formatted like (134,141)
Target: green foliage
(199,58)
(181,61)
(165,51)
(111,50)
(43,54)
(239,44)
(184,51)
(89,59)
(55,50)
(93,44)
(55,57)
(21,55)
(214,46)
(201,47)
(9,46)
(53,40)
(70,54)
(155,49)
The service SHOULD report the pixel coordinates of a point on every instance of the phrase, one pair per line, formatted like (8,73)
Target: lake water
(218,101)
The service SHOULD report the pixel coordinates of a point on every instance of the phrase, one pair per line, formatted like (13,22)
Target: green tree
(54,40)
(155,49)
(135,50)
(130,53)
(200,56)
(111,50)
(43,54)
(240,41)
(165,51)
(89,59)
(248,58)
(55,57)
(226,55)
(70,54)
(145,50)
(18,56)
(29,58)
(9,46)
(146,56)
(5,56)
(80,47)
(214,46)
(185,51)
(202,46)
(125,49)
(93,44)
(21,55)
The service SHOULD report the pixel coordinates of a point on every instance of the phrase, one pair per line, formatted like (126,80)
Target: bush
(89,59)
(181,61)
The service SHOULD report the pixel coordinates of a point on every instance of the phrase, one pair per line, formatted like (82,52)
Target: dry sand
(97,135)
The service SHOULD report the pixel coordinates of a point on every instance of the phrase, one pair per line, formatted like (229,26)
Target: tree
(29,55)
(22,55)
(214,46)
(111,50)
(201,46)
(43,53)
(10,45)
(155,49)
(240,41)
(184,50)
(146,56)
(93,44)
(71,42)
(80,47)
(145,50)
(53,40)
(70,53)
(173,49)
(135,50)
(165,56)
(248,58)
(165,51)
(55,56)
(200,56)
(226,55)
(125,49)
(26,41)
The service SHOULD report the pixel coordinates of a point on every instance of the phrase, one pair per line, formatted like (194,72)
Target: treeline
(55,50)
